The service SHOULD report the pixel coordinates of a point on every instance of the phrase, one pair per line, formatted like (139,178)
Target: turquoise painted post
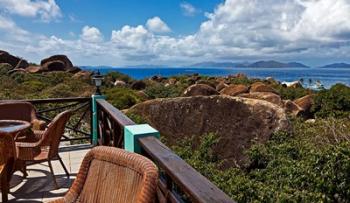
(94,117)
(134,132)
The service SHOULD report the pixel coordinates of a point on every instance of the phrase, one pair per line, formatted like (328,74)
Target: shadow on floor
(38,186)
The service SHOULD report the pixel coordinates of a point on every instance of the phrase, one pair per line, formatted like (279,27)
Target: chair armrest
(38,124)
(27,150)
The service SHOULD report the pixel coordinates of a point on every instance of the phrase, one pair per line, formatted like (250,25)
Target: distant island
(337,65)
(258,64)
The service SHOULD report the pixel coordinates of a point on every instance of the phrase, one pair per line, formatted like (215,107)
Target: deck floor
(38,186)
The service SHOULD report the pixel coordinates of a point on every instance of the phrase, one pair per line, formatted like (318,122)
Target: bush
(334,102)
(111,77)
(161,91)
(288,168)
(291,93)
(122,98)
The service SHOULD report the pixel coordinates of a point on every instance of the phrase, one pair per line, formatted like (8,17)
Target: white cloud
(8,25)
(156,25)
(91,34)
(131,37)
(46,10)
(235,30)
(188,9)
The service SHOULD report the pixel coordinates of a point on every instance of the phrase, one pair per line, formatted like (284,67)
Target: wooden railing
(79,126)
(179,182)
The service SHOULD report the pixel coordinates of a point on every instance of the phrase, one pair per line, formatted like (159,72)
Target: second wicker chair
(46,148)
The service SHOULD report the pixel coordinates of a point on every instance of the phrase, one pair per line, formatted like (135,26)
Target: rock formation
(200,90)
(261,87)
(234,90)
(237,121)
(14,61)
(267,96)
(58,63)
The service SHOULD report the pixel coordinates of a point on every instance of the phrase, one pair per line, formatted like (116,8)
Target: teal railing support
(133,132)
(94,117)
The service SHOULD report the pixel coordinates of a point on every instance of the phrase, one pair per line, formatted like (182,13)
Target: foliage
(334,102)
(19,85)
(288,168)
(162,91)
(111,77)
(291,93)
(121,98)
(136,118)
(242,80)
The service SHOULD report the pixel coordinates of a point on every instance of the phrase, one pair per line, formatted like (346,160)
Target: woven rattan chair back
(17,111)
(54,132)
(110,174)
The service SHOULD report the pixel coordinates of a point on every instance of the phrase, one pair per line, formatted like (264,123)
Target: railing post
(94,114)
(133,132)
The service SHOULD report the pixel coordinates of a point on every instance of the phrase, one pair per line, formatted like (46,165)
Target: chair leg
(4,188)
(63,166)
(52,173)
(24,169)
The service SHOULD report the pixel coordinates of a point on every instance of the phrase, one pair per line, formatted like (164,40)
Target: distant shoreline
(326,77)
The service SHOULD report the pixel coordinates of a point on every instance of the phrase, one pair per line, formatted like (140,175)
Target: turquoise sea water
(327,77)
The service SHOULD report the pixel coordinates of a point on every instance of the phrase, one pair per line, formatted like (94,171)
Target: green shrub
(288,168)
(291,93)
(136,118)
(122,98)
(334,102)
(113,76)
(161,91)
(4,68)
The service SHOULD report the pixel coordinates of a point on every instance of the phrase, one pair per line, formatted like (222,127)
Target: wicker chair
(21,111)
(46,149)
(110,174)
(7,156)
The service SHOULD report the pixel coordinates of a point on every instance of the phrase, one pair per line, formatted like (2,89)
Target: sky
(176,32)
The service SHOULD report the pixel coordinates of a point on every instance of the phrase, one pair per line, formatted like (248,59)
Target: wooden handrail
(115,114)
(199,188)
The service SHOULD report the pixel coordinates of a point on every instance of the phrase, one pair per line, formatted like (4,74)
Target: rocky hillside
(52,63)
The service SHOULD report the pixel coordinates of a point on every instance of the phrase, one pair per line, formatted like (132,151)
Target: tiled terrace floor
(38,186)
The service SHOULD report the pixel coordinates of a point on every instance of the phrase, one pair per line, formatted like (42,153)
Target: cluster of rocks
(258,90)
(52,63)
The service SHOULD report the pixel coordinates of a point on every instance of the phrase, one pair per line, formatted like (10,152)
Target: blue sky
(175,32)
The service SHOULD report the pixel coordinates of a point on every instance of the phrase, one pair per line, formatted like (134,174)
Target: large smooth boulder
(54,66)
(234,90)
(199,90)
(292,108)
(238,122)
(34,69)
(267,96)
(119,83)
(221,86)
(305,102)
(206,82)
(85,75)
(14,61)
(57,63)
(261,87)
(22,64)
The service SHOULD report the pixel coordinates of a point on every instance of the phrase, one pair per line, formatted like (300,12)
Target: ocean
(327,77)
